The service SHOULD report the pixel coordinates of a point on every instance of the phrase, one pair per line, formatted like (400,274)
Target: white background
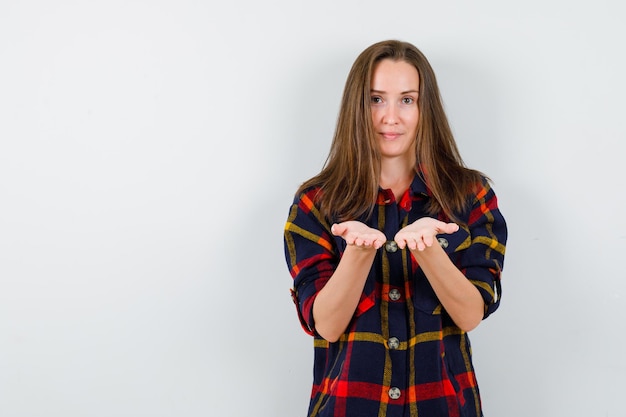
(149,151)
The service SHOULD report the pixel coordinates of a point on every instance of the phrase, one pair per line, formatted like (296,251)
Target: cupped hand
(358,234)
(421,233)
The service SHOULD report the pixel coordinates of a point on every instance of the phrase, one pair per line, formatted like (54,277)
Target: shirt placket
(393,310)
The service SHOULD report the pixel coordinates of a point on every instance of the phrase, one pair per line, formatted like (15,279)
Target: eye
(408,100)
(376,99)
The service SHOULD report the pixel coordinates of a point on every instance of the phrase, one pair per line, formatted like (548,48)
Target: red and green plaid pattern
(401,355)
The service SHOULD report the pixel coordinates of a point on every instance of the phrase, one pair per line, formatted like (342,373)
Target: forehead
(390,75)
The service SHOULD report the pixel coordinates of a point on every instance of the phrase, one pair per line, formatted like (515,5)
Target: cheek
(375,115)
(416,117)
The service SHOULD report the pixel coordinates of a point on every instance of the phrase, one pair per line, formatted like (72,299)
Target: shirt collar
(418,186)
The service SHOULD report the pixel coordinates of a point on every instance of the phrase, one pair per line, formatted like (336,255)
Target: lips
(390,135)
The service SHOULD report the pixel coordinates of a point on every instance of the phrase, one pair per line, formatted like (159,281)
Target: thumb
(450,228)
(337,229)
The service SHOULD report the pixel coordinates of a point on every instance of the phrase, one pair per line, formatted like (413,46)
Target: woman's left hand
(421,233)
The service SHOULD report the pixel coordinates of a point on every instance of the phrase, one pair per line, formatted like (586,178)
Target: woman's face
(394,92)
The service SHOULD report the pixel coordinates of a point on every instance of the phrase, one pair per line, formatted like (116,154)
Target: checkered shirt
(401,354)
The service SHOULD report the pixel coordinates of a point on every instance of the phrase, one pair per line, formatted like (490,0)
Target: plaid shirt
(401,355)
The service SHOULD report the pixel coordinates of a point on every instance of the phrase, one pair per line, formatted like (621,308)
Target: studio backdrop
(149,152)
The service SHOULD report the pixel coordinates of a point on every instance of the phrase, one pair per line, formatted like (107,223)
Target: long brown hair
(348,182)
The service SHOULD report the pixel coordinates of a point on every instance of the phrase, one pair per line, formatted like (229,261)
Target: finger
(400,240)
(428,240)
(350,240)
(377,243)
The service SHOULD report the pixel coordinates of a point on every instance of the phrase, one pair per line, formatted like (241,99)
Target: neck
(397,175)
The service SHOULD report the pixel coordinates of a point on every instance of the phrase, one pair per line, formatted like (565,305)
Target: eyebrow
(404,92)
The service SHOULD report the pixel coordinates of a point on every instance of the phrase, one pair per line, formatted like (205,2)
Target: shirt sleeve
(311,255)
(483,260)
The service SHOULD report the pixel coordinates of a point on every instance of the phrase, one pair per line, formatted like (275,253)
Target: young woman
(396,250)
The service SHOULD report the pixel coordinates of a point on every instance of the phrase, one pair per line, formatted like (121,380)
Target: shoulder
(481,188)
(306,200)
(307,196)
(305,209)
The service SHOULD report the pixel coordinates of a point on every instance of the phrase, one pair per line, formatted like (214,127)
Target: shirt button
(443,242)
(391,246)
(393,343)
(394,294)
(394,393)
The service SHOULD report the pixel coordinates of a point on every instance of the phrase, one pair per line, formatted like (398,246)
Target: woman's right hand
(336,303)
(358,234)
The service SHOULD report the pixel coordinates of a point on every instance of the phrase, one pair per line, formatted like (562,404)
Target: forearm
(457,294)
(336,303)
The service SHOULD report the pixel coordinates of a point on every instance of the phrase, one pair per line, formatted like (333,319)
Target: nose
(390,114)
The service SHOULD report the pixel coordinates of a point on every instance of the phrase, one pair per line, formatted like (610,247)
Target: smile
(390,135)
